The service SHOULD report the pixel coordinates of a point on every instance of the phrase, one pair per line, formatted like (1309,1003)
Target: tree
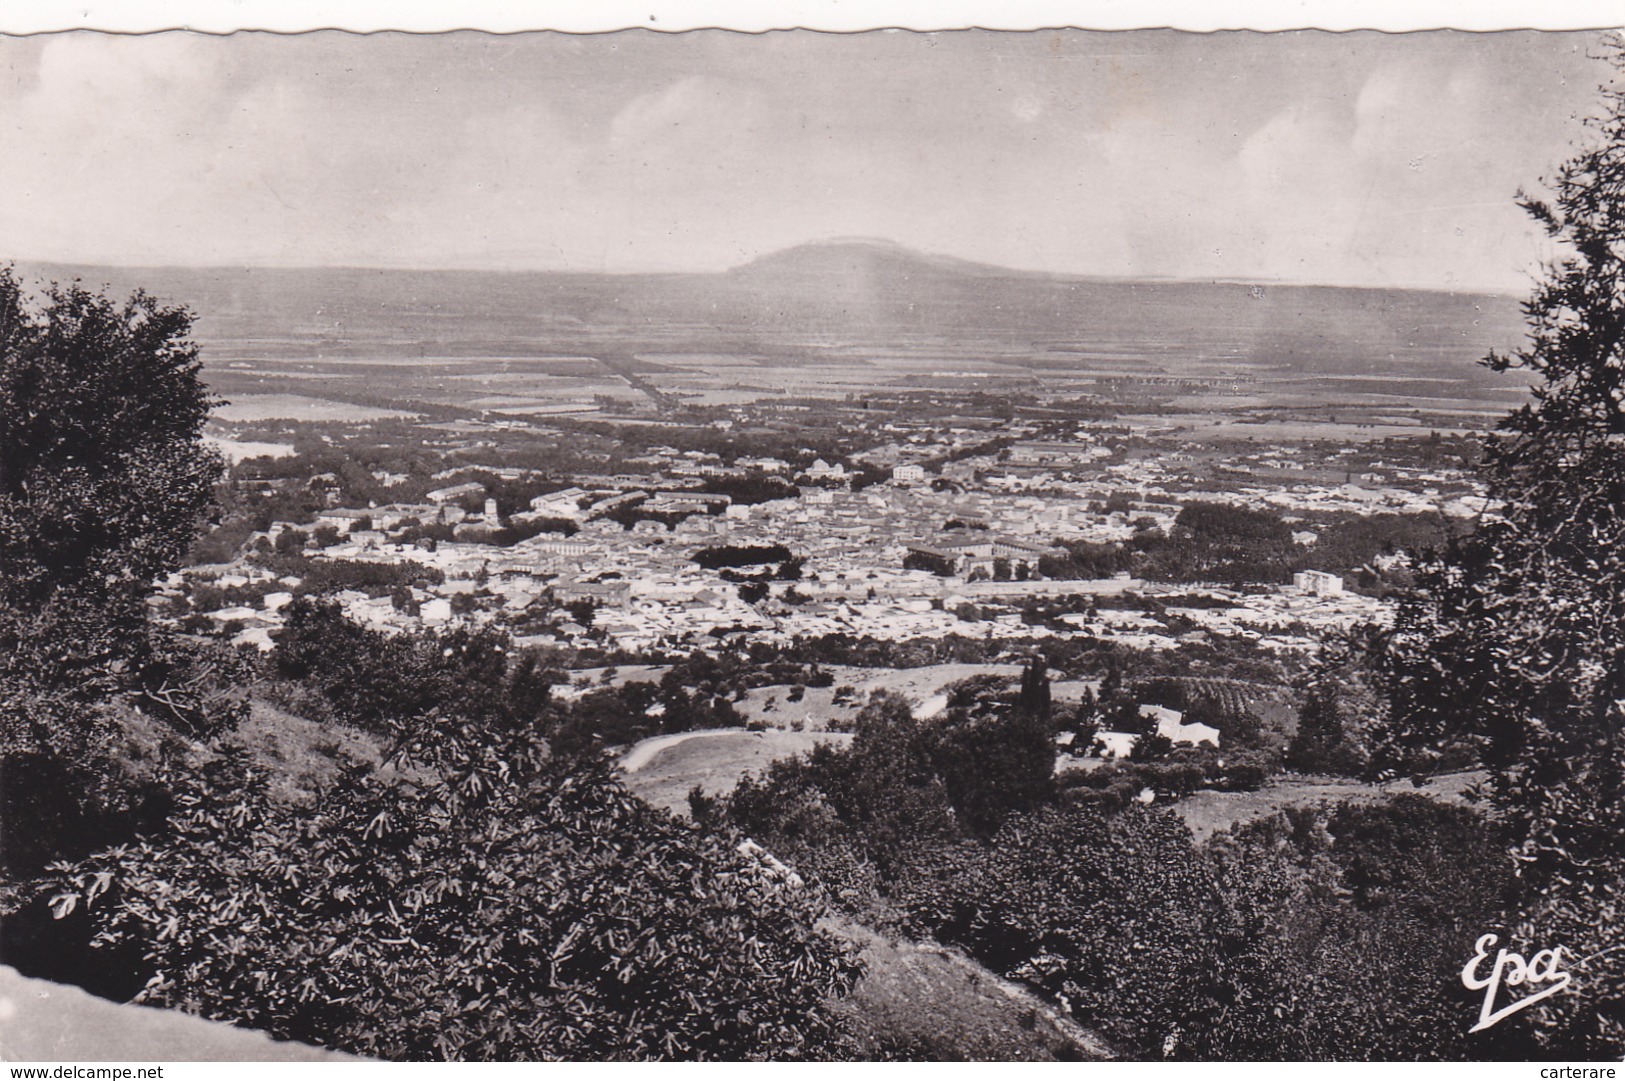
(1337,706)
(1151,747)
(1514,643)
(996,756)
(849,818)
(940,565)
(1085,722)
(104,478)
(1326,903)
(1115,917)
(104,475)
(402,600)
(1513,647)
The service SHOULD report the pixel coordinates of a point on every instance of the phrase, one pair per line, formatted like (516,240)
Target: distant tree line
(1225,544)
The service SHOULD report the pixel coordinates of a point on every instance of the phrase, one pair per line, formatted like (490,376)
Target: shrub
(554,916)
(1113,917)
(1350,927)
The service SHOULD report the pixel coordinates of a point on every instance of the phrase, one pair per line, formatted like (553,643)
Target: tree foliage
(1514,646)
(1339,707)
(104,479)
(103,472)
(1114,918)
(1345,930)
(547,915)
(387,684)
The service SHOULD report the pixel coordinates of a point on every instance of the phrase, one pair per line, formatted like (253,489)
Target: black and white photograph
(1075,544)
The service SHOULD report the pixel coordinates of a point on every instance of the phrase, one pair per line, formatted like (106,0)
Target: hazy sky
(1357,158)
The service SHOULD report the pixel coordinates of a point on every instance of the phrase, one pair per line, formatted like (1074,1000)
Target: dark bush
(1115,917)
(552,915)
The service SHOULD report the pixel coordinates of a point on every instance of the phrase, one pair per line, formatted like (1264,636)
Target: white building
(1318,583)
(456,491)
(561,504)
(1171,725)
(1115,744)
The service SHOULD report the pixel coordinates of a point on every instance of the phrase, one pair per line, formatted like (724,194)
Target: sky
(1357,159)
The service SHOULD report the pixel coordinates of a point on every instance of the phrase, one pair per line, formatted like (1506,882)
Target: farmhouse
(1115,744)
(1171,725)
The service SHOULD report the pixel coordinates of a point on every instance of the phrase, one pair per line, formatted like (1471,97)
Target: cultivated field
(253,407)
(798,323)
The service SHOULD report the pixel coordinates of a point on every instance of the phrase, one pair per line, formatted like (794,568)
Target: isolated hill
(786,307)
(868,257)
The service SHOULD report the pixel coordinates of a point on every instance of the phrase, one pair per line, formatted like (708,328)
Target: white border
(587,16)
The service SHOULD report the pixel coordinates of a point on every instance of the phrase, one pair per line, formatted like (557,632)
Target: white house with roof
(343,520)
(1114,744)
(561,504)
(1171,725)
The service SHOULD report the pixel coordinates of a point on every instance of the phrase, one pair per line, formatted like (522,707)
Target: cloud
(1313,157)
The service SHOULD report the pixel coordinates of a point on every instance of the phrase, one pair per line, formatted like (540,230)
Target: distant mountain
(861,288)
(867,257)
(787,307)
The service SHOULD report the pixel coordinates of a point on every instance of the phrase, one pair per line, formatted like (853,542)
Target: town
(908,529)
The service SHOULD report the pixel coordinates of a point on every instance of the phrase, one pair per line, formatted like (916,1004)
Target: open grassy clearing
(817,710)
(1209,812)
(714,760)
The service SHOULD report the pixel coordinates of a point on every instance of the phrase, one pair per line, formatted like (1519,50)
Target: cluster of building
(953,544)
(893,561)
